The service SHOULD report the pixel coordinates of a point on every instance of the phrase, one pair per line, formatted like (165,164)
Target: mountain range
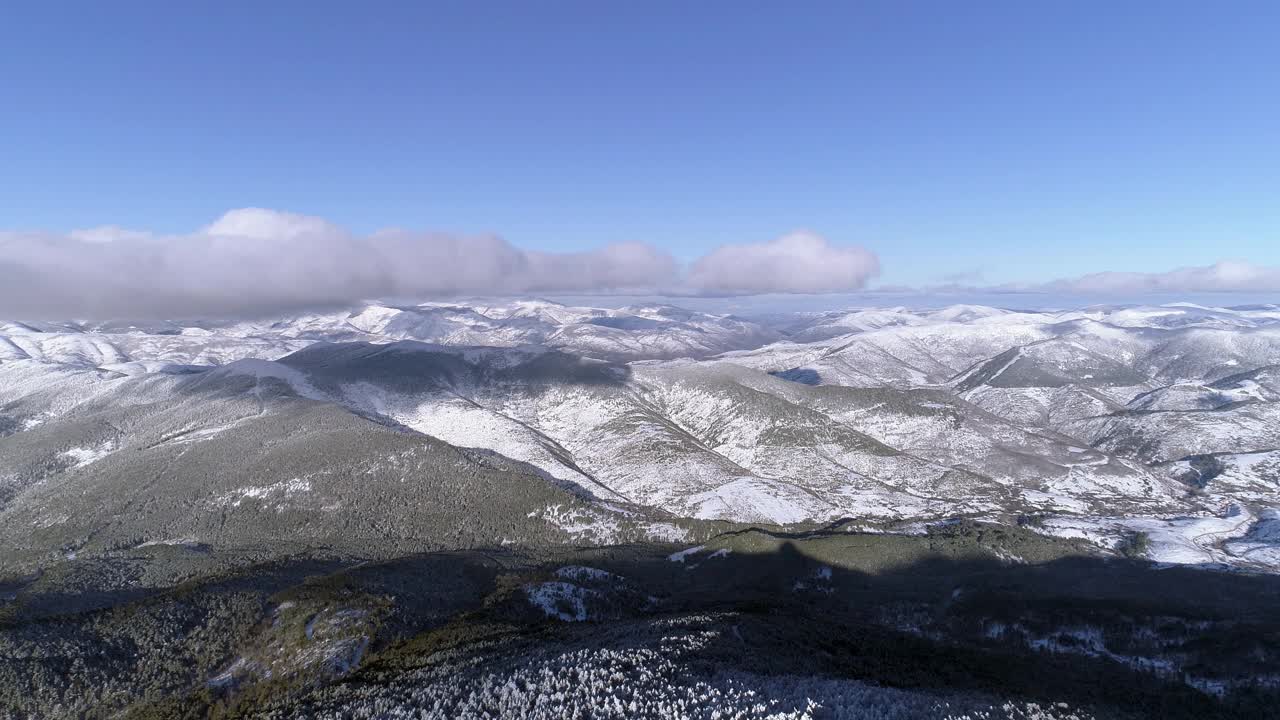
(284,457)
(881,415)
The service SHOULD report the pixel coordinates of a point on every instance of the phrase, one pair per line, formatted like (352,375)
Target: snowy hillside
(503,509)
(879,415)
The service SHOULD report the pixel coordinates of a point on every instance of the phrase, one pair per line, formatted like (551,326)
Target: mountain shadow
(932,616)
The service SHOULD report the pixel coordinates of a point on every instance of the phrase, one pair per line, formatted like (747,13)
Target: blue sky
(986,142)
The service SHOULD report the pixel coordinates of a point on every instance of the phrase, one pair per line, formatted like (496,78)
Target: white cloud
(797,263)
(255,262)
(622,265)
(108,233)
(1224,276)
(264,224)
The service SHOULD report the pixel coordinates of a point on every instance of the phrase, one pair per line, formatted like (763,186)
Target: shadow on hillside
(403,375)
(412,368)
(410,365)
(1070,629)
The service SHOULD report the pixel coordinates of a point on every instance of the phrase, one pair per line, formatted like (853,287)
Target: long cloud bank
(254,262)
(1225,276)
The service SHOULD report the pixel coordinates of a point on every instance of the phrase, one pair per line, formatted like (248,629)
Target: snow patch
(560,600)
(82,456)
(279,490)
(681,556)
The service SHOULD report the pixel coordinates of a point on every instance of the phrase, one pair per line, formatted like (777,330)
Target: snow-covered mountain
(632,333)
(876,415)
(430,501)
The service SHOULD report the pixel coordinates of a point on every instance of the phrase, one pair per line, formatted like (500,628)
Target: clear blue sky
(1025,140)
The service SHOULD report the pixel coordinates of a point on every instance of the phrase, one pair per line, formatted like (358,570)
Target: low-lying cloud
(797,263)
(1225,276)
(256,262)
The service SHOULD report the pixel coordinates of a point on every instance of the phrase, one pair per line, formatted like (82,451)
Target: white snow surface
(82,456)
